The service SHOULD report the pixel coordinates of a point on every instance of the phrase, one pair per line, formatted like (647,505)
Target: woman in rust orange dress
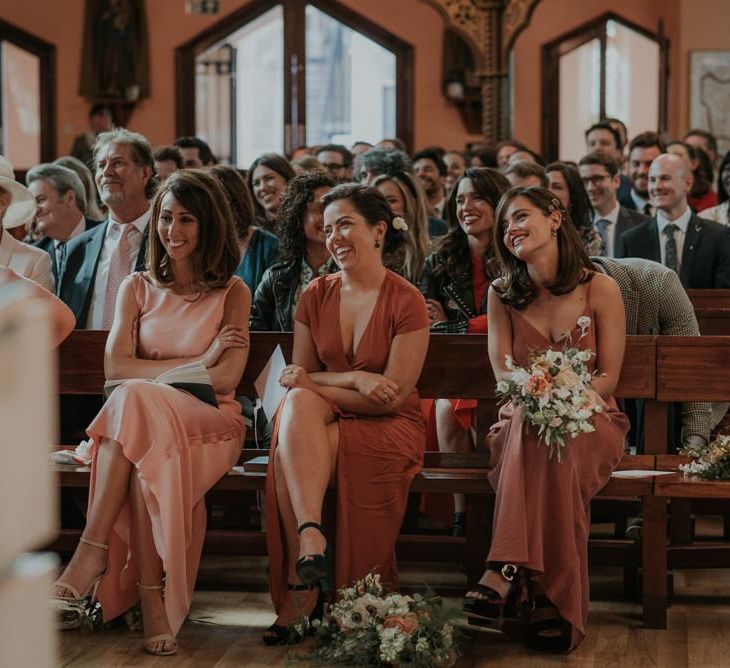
(540,541)
(351,419)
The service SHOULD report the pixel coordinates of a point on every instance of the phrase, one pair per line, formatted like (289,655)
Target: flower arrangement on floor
(366,626)
(711,462)
(555,392)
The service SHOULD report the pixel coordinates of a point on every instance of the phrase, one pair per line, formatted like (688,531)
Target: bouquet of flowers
(712,462)
(554,392)
(368,627)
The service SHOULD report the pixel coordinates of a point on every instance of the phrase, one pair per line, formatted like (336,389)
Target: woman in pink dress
(157,450)
(540,541)
(352,418)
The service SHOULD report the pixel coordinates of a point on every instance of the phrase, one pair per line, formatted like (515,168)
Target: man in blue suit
(98,259)
(697,249)
(60,209)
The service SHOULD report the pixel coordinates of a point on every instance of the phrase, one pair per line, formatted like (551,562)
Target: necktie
(602,227)
(118,271)
(648,210)
(670,248)
(60,256)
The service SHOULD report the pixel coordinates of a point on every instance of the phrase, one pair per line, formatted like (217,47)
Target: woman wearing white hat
(17,207)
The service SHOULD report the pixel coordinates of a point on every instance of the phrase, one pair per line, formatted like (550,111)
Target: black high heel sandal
(277,634)
(547,631)
(494,607)
(458,529)
(312,568)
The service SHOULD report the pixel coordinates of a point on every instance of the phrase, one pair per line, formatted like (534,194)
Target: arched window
(279,74)
(27,98)
(606,68)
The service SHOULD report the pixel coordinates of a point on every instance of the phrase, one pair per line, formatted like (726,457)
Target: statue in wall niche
(115,59)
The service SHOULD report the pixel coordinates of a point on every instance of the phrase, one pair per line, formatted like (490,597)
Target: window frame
(294,70)
(567,42)
(46,54)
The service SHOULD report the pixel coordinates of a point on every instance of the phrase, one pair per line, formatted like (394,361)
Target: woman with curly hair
(408,201)
(259,247)
(304,255)
(538,560)
(565,183)
(268,176)
(454,282)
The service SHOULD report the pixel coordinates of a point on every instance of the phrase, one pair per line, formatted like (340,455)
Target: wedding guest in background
(379,161)
(547,284)
(360,147)
(598,176)
(93,210)
(455,162)
(524,154)
(306,163)
(195,152)
(259,248)
(60,209)
(721,212)
(407,200)
(395,144)
(524,173)
(454,282)
(352,414)
(643,149)
(505,149)
(604,138)
(268,176)
(157,450)
(697,249)
(303,254)
(338,160)
(100,120)
(701,195)
(98,260)
(168,159)
(430,169)
(482,157)
(704,140)
(17,207)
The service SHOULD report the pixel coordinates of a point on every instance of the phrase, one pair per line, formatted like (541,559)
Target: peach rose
(537,385)
(567,378)
(407,624)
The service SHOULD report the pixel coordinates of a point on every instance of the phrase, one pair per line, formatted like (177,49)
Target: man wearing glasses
(600,177)
(337,160)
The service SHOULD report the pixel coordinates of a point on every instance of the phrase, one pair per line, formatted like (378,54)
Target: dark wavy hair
(722,193)
(371,204)
(574,267)
(239,197)
(218,253)
(276,163)
(452,250)
(298,195)
(581,209)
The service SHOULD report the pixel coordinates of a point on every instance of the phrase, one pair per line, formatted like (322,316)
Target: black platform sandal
(312,568)
(277,634)
(494,607)
(547,631)
(458,529)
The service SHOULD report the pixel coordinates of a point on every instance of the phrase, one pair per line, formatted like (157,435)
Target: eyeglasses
(595,180)
(333,166)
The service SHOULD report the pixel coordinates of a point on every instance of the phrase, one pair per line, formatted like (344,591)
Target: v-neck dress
(541,515)
(377,457)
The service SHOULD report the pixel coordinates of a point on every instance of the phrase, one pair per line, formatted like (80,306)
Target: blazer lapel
(141,263)
(691,241)
(650,243)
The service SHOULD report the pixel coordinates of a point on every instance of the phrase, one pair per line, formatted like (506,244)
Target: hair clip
(400,224)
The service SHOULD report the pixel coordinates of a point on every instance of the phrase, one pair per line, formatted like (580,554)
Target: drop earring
(377,244)
(554,233)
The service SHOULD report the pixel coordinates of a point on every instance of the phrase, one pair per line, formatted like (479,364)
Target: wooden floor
(224,627)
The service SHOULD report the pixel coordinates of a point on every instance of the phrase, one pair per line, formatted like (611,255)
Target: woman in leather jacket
(455,282)
(302,252)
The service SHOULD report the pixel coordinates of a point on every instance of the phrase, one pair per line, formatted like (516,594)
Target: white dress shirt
(679,234)
(111,239)
(612,218)
(28,261)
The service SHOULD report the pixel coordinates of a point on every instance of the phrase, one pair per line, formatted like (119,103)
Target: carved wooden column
(490,27)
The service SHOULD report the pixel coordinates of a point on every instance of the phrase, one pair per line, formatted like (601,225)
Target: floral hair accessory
(400,224)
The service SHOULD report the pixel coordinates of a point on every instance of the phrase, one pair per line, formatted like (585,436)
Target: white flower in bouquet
(392,642)
(398,605)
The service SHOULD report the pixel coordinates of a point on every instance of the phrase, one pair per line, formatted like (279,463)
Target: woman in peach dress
(539,546)
(157,449)
(352,417)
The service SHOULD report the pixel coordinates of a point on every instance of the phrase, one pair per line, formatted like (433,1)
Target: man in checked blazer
(700,249)
(656,303)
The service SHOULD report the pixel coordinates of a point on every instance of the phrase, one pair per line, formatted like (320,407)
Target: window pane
(20,100)
(256,52)
(350,84)
(632,78)
(580,97)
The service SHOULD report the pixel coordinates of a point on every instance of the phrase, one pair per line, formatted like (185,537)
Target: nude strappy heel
(149,643)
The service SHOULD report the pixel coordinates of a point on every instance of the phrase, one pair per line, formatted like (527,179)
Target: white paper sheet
(638,473)
(267,384)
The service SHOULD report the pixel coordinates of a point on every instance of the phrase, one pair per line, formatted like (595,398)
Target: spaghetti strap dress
(541,516)
(179,446)
(377,457)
